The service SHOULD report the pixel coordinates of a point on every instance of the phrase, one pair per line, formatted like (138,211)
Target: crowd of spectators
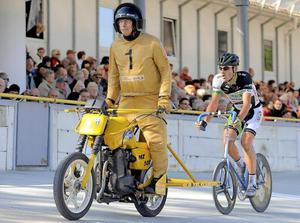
(75,77)
(279,100)
(78,77)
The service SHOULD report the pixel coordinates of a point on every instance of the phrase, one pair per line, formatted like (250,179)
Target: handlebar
(233,115)
(115,111)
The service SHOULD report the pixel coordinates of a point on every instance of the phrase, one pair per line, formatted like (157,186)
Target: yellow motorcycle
(118,168)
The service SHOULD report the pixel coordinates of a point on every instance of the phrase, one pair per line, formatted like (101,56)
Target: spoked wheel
(225,194)
(152,204)
(261,200)
(71,200)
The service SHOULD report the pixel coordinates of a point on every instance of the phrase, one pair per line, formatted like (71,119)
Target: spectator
(86,76)
(73,96)
(30,74)
(69,59)
(34,92)
(184,74)
(184,104)
(53,93)
(86,64)
(190,90)
(72,70)
(46,62)
(40,75)
(13,89)
(55,58)
(47,84)
(2,85)
(80,58)
(278,109)
(93,63)
(93,90)
(61,88)
(5,78)
(78,86)
(198,104)
(84,95)
(38,57)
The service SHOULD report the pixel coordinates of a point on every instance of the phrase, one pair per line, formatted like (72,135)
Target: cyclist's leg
(249,153)
(252,124)
(232,148)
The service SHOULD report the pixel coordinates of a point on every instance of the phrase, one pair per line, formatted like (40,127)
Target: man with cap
(140,75)
(104,75)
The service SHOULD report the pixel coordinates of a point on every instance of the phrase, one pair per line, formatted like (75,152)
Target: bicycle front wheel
(262,198)
(224,195)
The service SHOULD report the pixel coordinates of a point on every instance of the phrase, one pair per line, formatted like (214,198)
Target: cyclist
(140,76)
(239,88)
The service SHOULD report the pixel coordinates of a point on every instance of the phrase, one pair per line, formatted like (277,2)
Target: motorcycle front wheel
(71,200)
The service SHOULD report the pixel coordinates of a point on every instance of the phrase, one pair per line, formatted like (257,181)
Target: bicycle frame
(224,115)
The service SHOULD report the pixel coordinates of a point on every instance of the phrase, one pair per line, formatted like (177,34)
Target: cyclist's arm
(246,106)
(213,104)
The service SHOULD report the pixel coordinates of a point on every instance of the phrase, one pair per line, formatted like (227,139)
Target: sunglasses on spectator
(224,68)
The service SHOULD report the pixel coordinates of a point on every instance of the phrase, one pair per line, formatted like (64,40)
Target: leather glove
(164,103)
(109,103)
(201,125)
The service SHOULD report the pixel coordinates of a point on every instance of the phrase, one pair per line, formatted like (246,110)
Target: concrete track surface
(26,196)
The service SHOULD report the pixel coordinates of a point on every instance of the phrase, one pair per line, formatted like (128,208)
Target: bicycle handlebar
(233,115)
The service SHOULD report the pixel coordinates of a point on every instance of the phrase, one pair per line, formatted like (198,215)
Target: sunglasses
(224,68)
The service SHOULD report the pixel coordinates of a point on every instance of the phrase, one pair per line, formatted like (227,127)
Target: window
(106,28)
(169,36)
(268,55)
(222,43)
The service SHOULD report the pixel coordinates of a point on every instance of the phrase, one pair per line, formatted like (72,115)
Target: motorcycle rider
(140,77)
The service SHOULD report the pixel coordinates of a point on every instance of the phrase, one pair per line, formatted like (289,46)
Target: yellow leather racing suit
(139,73)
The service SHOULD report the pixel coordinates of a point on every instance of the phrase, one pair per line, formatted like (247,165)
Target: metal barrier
(41,134)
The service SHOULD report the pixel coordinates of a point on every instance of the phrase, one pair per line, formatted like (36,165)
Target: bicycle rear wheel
(262,198)
(224,195)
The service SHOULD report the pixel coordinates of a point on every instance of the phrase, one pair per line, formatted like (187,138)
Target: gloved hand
(238,123)
(201,125)
(109,103)
(164,103)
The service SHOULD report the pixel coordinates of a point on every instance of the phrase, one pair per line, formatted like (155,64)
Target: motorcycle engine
(121,180)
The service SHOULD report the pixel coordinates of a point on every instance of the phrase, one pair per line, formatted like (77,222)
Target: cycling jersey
(234,89)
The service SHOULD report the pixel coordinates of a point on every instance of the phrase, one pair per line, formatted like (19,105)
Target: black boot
(151,187)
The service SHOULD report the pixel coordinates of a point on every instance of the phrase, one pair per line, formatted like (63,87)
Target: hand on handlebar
(238,123)
(201,125)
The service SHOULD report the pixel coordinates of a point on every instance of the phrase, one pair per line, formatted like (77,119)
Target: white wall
(207,42)
(85,26)
(61,25)
(296,61)
(189,32)
(200,151)
(12,41)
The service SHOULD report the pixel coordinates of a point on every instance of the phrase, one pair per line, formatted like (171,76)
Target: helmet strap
(135,33)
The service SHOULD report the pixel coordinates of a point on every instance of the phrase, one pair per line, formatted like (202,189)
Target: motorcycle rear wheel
(71,200)
(154,203)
